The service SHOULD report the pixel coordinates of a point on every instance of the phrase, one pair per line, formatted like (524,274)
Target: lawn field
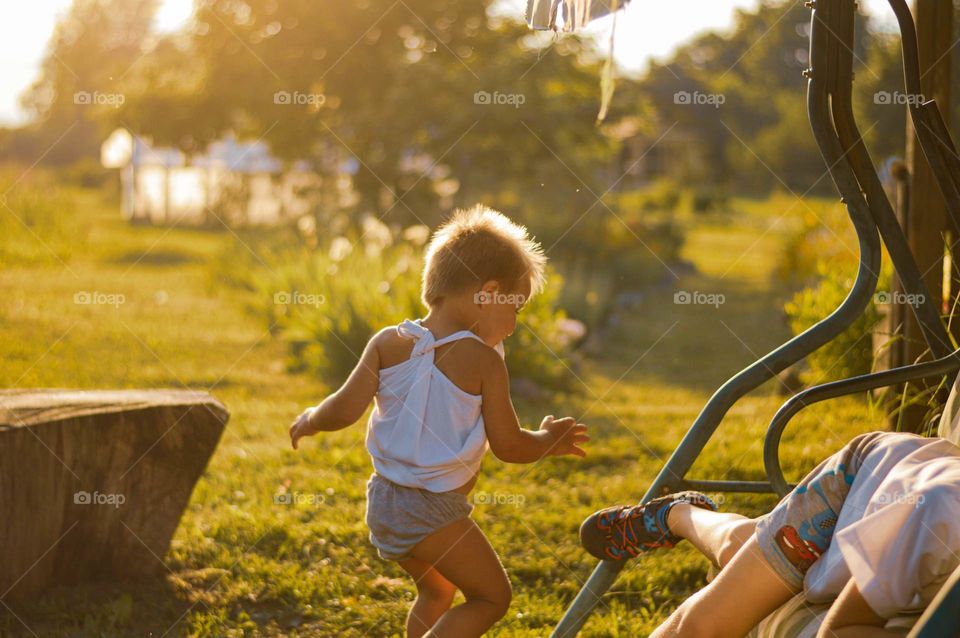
(242,563)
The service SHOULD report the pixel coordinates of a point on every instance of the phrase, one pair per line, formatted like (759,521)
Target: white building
(234,183)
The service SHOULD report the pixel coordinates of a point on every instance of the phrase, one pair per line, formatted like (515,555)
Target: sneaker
(621,532)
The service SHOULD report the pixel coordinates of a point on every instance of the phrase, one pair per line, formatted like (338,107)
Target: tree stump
(93,483)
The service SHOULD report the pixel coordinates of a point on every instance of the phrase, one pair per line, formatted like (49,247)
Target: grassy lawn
(242,564)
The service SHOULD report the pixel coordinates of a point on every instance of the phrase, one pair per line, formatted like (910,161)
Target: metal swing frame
(829,106)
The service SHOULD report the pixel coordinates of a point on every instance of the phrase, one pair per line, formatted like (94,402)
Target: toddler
(442,397)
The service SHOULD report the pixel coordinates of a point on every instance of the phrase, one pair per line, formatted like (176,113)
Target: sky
(645,29)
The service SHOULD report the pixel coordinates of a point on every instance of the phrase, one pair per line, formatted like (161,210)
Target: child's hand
(301,427)
(567,435)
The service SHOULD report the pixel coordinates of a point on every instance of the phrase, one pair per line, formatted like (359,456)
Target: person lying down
(875,529)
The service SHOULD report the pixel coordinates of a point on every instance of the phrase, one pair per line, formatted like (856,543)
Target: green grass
(242,565)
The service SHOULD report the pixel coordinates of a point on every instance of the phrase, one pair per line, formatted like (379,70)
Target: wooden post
(925,223)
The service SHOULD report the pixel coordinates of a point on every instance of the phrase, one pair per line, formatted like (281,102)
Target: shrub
(706,200)
(850,353)
(821,259)
(326,303)
(623,250)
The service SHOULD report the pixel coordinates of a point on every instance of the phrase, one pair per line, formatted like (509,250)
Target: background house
(234,183)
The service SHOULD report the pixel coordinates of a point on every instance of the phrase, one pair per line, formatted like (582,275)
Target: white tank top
(425,431)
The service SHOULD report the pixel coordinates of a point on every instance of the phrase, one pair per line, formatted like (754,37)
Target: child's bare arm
(510,442)
(342,408)
(851,617)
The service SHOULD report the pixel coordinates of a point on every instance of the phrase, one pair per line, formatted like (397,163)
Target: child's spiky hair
(478,245)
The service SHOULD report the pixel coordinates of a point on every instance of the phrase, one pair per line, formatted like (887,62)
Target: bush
(615,252)
(849,354)
(821,259)
(709,201)
(662,195)
(326,303)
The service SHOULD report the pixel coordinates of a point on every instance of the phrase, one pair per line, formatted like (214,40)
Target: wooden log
(93,483)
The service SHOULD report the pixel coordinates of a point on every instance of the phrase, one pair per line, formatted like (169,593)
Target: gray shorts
(399,517)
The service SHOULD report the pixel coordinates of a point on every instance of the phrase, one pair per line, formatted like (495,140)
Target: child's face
(499,309)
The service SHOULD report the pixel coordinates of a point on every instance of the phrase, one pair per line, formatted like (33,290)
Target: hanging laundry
(542,14)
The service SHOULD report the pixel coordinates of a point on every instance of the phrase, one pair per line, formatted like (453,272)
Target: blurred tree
(440,104)
(93,47)
(760,127)
(883,122)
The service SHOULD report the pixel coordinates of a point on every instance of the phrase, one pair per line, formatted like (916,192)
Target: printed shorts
(800,528)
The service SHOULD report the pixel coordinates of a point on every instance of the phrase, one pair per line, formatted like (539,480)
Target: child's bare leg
(461,553)
(742,595)
(434,596)
(718,535)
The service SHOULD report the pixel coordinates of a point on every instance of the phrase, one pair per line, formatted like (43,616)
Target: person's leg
(742,595)
(850,616)
(434,596)
(718,535)
(462,555)
(770,567)
(616,532)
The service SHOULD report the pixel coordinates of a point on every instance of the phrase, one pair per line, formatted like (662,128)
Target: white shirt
(425,431)
(898,532)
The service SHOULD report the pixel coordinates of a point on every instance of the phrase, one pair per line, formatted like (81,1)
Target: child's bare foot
(621,532)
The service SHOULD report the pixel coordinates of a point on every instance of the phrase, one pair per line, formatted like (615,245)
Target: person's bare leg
(718,535)
(462,555)
(742,595)
(851,617)
(434,596)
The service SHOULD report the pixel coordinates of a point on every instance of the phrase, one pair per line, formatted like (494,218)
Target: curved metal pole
(834,389)
(928,123)
(926,311)
(841,22)
(776,361)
